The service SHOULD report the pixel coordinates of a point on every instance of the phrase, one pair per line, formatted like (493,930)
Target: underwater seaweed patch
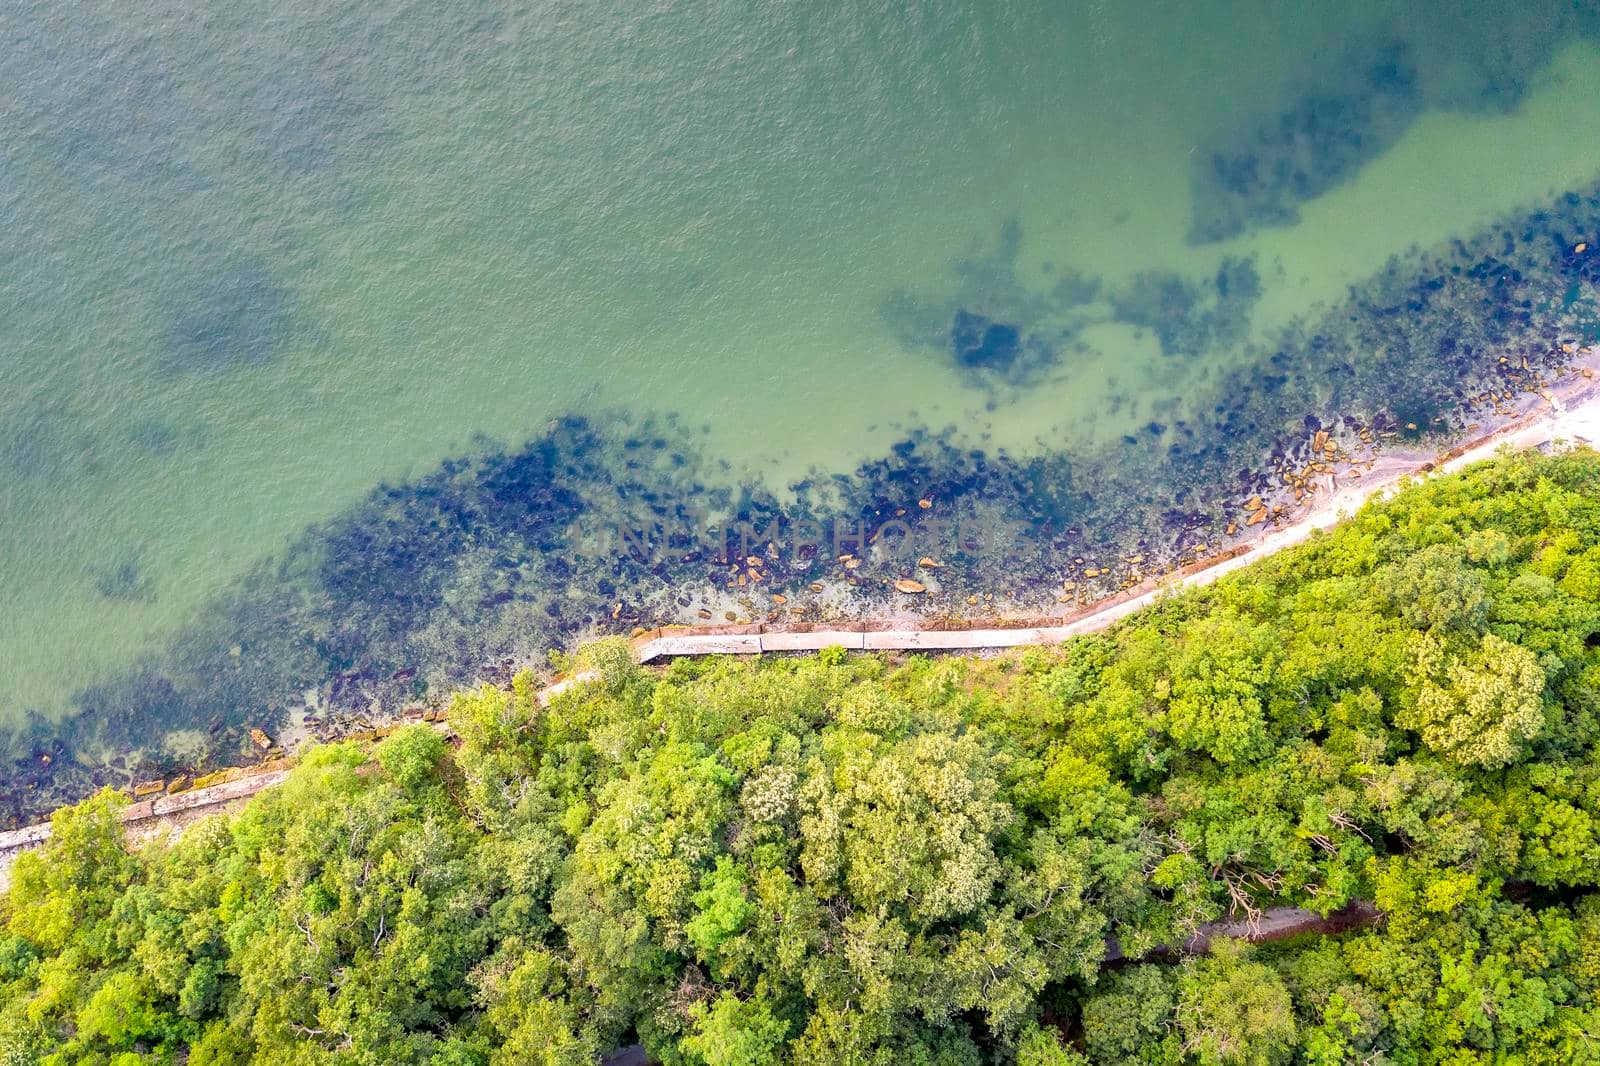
(1003,332)
(38,444)
(994,327)
(125,580)
(304,117)
(1490,58)
(1259,175)
(1189,318)
(154,437)
(1356,106)
(981,342)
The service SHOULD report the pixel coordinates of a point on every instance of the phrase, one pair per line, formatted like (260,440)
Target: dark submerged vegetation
(998,330)
(1188,318)
(1259,177)
(237,317)
(1352,108)
(838,859)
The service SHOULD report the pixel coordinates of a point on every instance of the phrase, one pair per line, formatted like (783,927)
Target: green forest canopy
(839,860)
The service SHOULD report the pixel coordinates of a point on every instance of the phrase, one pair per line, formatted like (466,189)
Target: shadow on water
(488,561)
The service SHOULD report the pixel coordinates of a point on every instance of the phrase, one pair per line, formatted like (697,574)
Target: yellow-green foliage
(839,860)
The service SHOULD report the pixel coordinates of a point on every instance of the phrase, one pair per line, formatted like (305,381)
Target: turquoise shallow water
(259,259)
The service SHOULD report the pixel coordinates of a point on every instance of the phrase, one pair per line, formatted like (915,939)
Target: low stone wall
(151,815)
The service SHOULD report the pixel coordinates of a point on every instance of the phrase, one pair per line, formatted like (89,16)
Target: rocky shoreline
(490,562)
(1568,412)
